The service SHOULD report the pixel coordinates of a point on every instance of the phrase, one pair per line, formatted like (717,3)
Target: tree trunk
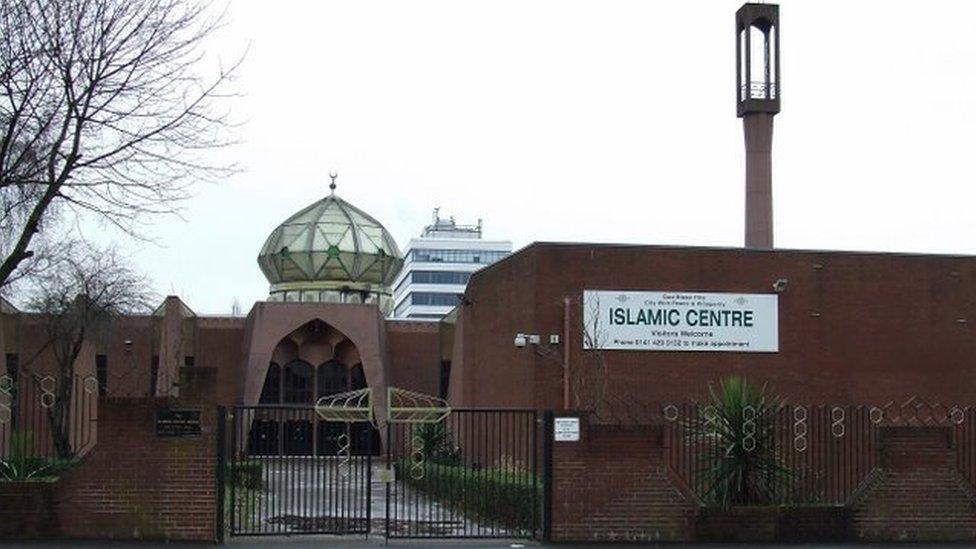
(59,418)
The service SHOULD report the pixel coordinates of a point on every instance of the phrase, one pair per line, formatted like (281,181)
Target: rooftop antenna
(332,185)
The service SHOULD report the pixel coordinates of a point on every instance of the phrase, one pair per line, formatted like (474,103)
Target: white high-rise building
(437,267)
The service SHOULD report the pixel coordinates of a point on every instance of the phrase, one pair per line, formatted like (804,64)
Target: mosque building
(819,326)
(323,329)
(564,325)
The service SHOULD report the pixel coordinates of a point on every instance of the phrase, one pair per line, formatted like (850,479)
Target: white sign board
(566,429)
(680,321)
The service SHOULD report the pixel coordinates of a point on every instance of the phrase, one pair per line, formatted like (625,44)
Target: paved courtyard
(308,494)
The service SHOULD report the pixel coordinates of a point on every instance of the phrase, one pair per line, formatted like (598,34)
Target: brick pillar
(918,493)
(170,348)
(137,485)
(614,484)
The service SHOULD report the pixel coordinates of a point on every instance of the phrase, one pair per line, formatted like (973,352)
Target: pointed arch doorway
(313,361)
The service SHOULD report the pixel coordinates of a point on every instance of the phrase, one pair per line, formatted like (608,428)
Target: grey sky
(584,121)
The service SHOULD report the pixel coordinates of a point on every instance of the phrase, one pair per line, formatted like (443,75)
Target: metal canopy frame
(349,407)
(403,406)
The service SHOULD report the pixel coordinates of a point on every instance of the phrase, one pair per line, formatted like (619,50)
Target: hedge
(246,474)
(506,498)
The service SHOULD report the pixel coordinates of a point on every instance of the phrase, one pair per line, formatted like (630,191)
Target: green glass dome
(331,251)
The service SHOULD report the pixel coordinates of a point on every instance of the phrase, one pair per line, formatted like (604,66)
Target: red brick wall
(774,524)
(135,485)
(854,327)
(220,345)
(918,493)
(614,485)
(27,509)
(486,368)
(414,350)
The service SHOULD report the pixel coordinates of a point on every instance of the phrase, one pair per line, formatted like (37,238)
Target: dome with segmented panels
(331,251)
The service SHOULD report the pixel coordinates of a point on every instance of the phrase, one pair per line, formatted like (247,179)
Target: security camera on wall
(520,340)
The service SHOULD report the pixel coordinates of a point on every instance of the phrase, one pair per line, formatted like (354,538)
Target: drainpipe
(566,344)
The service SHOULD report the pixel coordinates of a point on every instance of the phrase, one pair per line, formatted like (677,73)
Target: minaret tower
(757,95)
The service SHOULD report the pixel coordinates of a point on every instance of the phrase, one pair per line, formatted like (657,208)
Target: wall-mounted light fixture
(521,340)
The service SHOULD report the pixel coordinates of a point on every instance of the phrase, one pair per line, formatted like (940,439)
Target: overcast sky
(583,121)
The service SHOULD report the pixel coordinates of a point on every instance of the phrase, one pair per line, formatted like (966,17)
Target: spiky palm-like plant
(18,465)
(736,431)
(436,443)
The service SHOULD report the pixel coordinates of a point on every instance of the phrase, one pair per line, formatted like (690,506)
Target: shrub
(246,474)
(507,498)
(436,443)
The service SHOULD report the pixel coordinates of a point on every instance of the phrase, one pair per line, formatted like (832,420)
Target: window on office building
(457,256)
(434,298)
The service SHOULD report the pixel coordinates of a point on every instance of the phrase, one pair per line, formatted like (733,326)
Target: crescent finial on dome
(332,185)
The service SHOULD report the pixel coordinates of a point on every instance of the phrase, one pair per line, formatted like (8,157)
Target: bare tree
(102,110)
(78,299)
(589,379)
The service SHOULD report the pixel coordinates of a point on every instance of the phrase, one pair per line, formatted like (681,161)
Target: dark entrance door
(289,472)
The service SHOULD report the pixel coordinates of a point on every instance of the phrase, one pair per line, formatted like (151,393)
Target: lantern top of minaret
(751,11)
(758,82)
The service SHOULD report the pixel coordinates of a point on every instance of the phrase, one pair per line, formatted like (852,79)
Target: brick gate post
(917,493)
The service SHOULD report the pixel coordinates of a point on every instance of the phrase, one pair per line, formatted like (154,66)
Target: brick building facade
(863,328)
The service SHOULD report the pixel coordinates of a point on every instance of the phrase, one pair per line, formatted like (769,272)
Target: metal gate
(447,473)
(474,474)
(290,472)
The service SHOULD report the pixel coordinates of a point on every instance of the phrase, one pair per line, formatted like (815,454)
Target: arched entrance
(313,361)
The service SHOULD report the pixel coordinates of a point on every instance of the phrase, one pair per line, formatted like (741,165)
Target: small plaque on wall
(566,429)
(177,423)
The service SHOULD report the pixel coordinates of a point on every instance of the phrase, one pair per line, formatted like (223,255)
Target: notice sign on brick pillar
(614,485)
(566,429)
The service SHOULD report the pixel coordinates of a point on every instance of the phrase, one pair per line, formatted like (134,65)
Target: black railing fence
(794,454)
(46,418)
(289,472)
(476,473)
